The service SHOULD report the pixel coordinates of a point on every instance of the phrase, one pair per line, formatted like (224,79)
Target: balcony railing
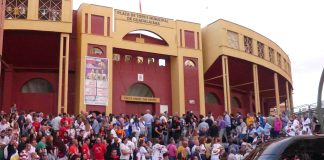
(16,9)
(50,10)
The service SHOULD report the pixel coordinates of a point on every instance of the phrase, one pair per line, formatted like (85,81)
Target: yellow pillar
(202,108)
(63,69)
(277,92)
(291,102)
(256,88)
(177,83)
(288,96)
(226,86)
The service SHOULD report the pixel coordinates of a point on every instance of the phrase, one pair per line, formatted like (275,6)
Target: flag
(140,6)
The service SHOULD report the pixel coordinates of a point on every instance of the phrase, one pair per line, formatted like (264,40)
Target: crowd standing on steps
(147,136)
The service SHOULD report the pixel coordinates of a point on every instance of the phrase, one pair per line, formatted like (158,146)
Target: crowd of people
(33,135)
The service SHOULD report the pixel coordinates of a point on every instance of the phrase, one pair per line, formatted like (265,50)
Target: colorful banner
(96,81)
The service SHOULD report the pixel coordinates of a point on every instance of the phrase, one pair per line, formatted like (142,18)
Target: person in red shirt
(36,124)
(73,149)
(63,129)
(85,149)
(98,150)
(67,119)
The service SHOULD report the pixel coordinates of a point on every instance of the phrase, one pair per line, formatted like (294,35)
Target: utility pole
(319,103)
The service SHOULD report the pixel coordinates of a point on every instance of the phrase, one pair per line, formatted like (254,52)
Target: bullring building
(55,59)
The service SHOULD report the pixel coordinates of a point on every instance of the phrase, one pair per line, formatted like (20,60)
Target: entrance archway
(36,94)
(139,90)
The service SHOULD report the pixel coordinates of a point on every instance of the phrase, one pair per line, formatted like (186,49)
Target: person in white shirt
(195,148)
(56,122)
(295,123)
(142,126)
(202,149)
(290,131)
(306,125)
(4,125)
(130,144)
(125,151)
(216,149)
(113,130)
(158,151)
(4,140)
(142,152)
(163,118)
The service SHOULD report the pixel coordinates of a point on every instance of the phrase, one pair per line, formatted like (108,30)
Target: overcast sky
(297,26)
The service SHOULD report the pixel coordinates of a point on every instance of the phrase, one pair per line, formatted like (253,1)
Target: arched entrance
(37,94)
(213,104)
(139,90)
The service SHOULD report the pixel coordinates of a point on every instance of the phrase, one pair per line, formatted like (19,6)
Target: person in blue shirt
(267,129)
(258,129)
(261,120)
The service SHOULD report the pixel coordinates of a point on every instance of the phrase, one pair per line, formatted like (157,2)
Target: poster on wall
(96,81)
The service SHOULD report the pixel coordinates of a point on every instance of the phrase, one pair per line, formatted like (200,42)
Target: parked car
(290,148)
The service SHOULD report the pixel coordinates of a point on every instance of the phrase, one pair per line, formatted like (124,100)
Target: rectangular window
(180,37)
(285,64)
(16,9)
(108,26)
(189,39)
(128,58)
(162,62)
(279,59)
(198,40)
(232,38)
(86,23)
(97,25)
(116,57)
(260,49)
(271,57)
(248,45)
(140,59)
(150,60)
(50,10)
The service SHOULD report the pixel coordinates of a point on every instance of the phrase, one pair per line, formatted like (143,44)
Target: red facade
(157,78)
(191,84)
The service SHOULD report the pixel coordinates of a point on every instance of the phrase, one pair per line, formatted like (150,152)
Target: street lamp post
(319,102)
